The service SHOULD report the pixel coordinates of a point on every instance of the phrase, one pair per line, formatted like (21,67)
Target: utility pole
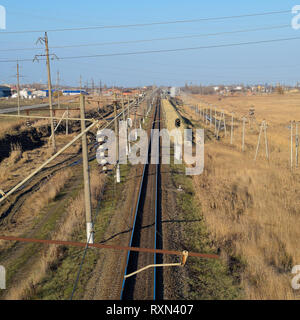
(57,90)
(292,145)
(86,176)
(128,116)
(215,120)
(297,144)
(67,121)
(124,119)
(93,86)
(118,178)
(135,122)
(50,92)
(80,83)
(123,107)
(224,122)
(243,136)
(18,87)
(263,127)
(266,140)
(231,131)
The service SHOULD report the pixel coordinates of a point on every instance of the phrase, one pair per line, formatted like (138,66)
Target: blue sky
(272,63)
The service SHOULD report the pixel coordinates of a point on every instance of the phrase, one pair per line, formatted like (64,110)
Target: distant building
(25,94)
(173,92)
(5,92)
(127,93)
(39,94)
(73,92)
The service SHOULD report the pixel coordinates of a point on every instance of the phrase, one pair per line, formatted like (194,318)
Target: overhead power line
(161,51)
(153,39)
(151,23)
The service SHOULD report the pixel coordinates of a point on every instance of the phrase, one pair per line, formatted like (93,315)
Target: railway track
(145,232)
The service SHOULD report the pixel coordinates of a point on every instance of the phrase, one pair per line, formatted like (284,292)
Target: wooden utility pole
(263,127)
(135,118)
(224,122)
(297,144)
(266,140)
(67,121)
(50,93)
(128,116)
(93,86)
(86,176)
(243,135)
(123,107)
(118,178)
(57,90)
(231,131)
(18,87)
(215,120)
(292,145)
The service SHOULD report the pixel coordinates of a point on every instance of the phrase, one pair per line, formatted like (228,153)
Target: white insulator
(129,121)
(103,162)
(101,147)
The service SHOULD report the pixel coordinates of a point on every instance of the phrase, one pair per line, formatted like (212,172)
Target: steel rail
(133,230)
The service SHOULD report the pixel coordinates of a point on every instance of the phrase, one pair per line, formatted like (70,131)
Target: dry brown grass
(275,108)
(14,157)
(15,153)
(9,126)
(252,208)
(34,203)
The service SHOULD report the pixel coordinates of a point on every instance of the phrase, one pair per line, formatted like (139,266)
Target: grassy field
(252,208)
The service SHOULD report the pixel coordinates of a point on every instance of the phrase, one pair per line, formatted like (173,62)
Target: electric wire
(161,50)
(151,23)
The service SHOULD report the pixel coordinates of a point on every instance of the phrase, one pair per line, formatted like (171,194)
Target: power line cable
(162,50)
(153,39)
(151,23)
